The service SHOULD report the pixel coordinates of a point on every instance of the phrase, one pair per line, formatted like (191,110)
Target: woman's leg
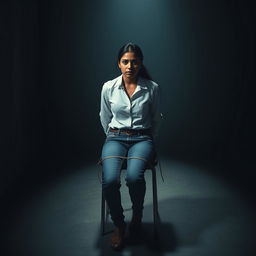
(111,178)
(135,173)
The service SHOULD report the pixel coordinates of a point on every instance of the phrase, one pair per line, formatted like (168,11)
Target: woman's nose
(129,64)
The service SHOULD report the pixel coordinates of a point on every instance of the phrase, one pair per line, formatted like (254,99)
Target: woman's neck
(128,81)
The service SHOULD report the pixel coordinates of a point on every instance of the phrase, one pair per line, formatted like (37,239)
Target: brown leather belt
(131,131)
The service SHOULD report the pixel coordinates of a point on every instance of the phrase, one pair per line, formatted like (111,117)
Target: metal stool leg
(155,201)
(104,214)
(103,210)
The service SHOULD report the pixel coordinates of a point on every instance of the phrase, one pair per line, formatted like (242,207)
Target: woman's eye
(134,62)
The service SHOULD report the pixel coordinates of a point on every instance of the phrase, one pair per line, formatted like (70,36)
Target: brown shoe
(117,238)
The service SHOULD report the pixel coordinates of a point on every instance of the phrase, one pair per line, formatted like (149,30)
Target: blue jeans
(123,145)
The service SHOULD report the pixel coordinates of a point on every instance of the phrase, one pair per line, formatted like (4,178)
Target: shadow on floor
(185,219)
(144,243)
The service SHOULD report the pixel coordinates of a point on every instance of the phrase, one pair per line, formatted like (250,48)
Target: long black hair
(130,47)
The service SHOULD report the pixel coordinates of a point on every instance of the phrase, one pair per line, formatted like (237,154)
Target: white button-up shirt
(141,111)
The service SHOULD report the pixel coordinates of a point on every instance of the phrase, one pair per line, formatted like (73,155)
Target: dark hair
(130,47)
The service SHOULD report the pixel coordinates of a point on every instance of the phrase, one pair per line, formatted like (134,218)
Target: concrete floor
(200,214)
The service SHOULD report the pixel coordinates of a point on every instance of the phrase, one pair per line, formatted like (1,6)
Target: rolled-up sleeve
(156,112)
(105,109)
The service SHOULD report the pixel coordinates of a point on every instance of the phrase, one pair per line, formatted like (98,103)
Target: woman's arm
(156,114)
(105,109)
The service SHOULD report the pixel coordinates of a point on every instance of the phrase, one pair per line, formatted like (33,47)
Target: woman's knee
(110,183)
(111,172)
(132,179)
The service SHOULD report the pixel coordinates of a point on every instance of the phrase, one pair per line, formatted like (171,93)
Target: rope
(123,157)
(127,158)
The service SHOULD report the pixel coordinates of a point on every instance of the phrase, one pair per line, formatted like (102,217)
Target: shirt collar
(140,82)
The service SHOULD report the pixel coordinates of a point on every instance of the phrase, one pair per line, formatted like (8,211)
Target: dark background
(56,55)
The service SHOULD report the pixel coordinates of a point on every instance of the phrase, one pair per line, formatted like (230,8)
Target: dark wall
(21,90)
(57,54)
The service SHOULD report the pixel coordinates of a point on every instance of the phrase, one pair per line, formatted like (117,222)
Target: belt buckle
(125,132)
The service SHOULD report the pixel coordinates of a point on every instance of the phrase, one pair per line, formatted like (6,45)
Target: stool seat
(149,165)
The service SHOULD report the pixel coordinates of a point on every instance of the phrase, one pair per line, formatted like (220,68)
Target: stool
(105,208)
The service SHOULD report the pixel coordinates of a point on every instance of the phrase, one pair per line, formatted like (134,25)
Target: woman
(130,117)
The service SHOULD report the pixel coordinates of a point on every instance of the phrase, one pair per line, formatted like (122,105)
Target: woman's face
(129,65)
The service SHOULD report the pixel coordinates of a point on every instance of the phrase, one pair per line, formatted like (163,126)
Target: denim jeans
(123,145)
